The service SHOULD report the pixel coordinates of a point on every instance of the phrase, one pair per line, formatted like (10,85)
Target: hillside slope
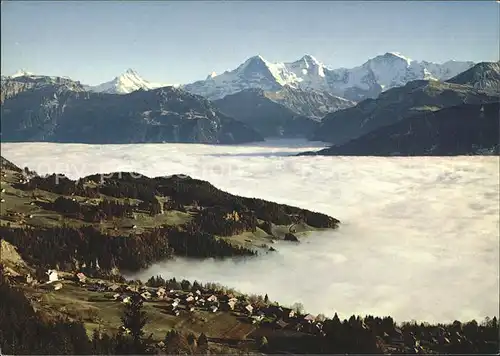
(56,112)
(397,104)
(270,119)
(459,130)
(484,75)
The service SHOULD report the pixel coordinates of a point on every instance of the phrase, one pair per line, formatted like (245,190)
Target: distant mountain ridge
(484,76)
(366,81)
(467,129)
(44,108)
(13,85)
(125,83)
(395,105)
(62,111)
(308,102)
(269,118)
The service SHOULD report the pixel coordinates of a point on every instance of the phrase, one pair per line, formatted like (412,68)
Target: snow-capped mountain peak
(377,74)
(125,83)
(211,75)
(399,55)
(21,73)
(310,60)
(130,71)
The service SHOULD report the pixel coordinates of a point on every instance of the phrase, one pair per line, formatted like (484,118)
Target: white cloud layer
(419,239)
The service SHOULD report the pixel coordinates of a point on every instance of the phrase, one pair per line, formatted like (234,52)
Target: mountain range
(396,104)
(457,117)
(125,83)
(467,129)
(43,108)
(365,81)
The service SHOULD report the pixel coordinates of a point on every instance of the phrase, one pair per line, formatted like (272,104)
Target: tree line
(70,248)
(182,191)
(24,331)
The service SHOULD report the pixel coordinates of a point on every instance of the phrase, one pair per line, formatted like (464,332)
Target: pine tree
(134,319)
(202,344)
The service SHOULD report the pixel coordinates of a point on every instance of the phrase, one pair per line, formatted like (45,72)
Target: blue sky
(181,41)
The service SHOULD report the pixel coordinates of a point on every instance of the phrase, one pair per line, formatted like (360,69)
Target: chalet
(249,308)
(288,312)
(32,203)
(2,200)
(212,298)
(161,292)
(160,345)
(3,190)
(191,309)
(127,300)
(198,292)
(29,279)
(116,296)
(309,318)
(280,312)
(133,288)
(146,295)
(30,216)
(177,312)
(257,318)
(281,324)
(81,277)
(53,275)
(189,299)
(58,286)
(231,304)
(213,308)
(175,303)
(190,294)
(201,302)
(134,227)
(114,287)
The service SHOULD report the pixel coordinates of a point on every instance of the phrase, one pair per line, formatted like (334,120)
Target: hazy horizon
(180,42)
(418,239)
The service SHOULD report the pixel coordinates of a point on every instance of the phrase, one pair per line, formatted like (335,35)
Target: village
(188,301)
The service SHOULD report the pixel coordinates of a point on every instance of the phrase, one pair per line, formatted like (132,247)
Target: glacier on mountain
(367,80)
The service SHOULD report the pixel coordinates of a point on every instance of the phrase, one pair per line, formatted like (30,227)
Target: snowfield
(419,237)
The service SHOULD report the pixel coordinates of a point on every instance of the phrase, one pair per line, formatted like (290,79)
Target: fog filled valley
(418,237)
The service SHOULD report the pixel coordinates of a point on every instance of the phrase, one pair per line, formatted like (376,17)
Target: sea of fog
(419,239)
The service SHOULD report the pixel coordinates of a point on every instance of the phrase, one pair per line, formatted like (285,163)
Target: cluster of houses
(179,301)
